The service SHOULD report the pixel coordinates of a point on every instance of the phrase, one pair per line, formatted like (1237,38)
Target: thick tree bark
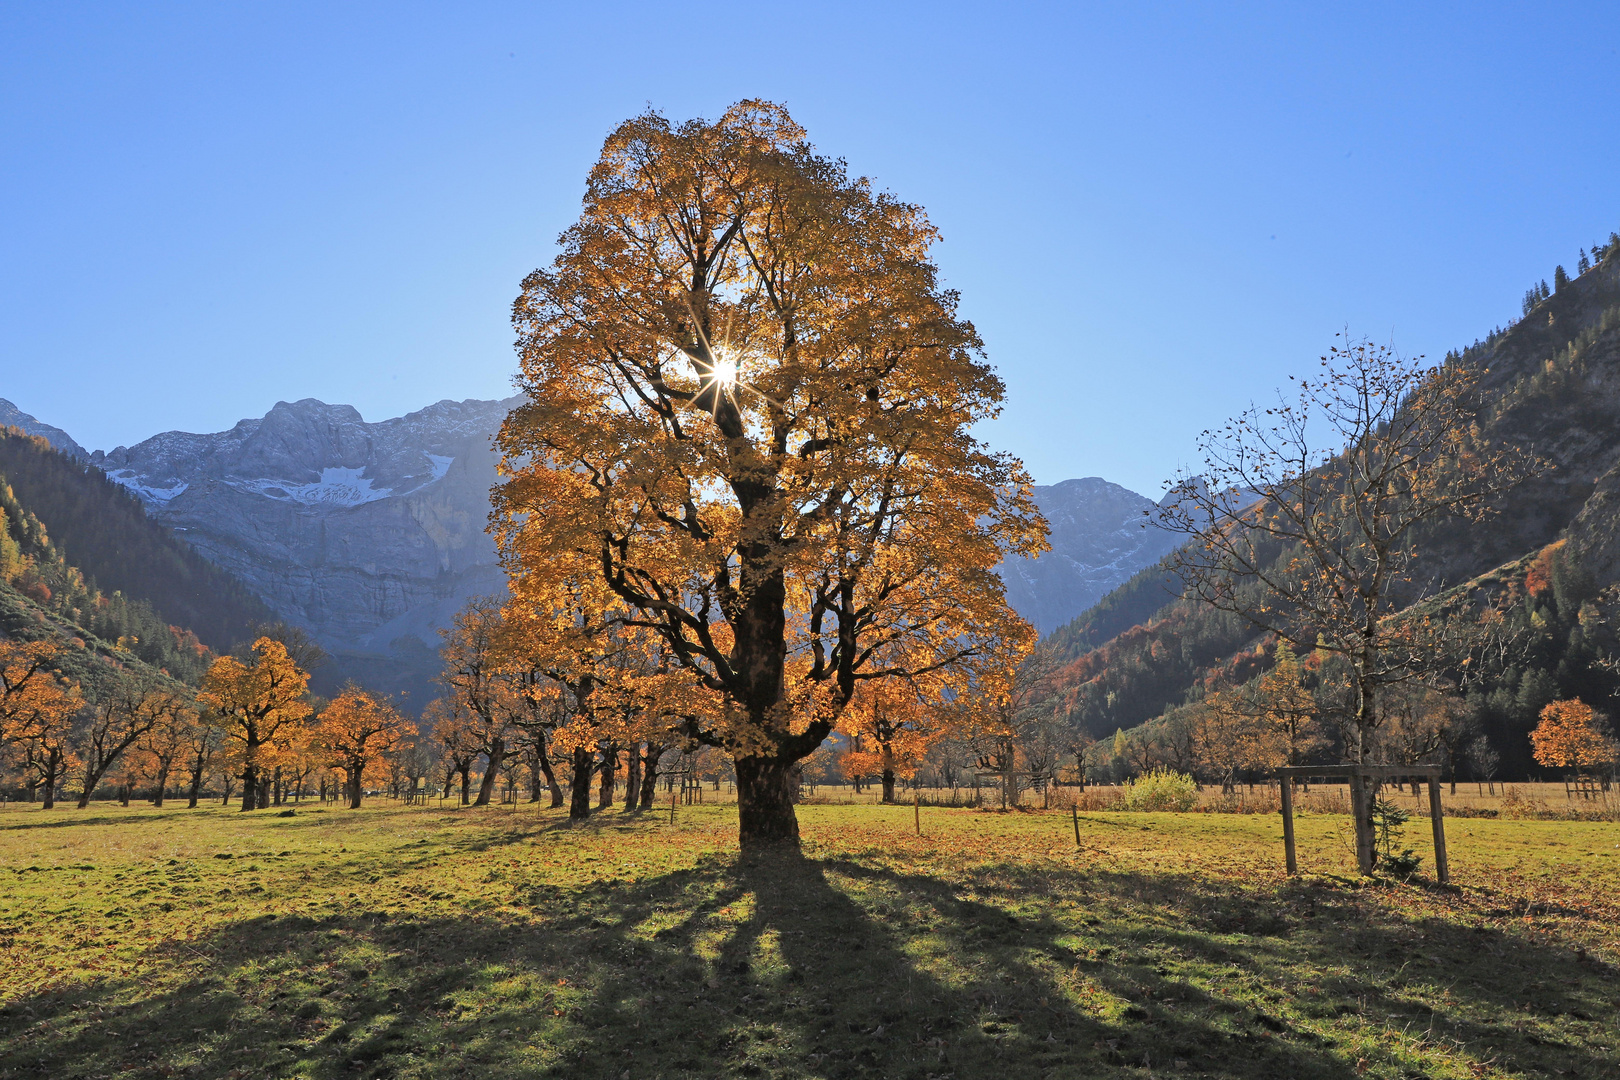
(250,787)
(162,782)
(649,777)
(91,779)
(632,777)
(466,783)
(53,767)
(765,789)
(551,778)
(497,754)
(579,795)
(609,776)
(354,787)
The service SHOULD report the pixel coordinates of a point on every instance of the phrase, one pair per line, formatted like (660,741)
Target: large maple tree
(749,413)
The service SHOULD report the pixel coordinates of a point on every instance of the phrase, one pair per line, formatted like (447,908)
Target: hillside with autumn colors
(1547,561)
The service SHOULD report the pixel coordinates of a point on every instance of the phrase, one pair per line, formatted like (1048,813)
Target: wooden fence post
(1287,789)
(1437,819)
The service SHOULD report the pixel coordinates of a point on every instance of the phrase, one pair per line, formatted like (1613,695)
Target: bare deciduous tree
(1303,518)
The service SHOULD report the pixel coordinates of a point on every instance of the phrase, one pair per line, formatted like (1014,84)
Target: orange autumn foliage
(749,417)
(1571,735)
(356,730)
(1539,578)
(256,702)
(890,729)
(36,713)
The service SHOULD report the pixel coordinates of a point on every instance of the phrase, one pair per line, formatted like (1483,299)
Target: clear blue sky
(1154,213)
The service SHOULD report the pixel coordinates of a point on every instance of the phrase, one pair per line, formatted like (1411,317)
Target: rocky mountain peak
(11,416)
(1099,540)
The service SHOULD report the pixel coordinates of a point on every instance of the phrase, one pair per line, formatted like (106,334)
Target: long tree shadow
(779,967)
(1515,1001)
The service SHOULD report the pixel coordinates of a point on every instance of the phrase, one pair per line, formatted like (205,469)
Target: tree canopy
(748,418)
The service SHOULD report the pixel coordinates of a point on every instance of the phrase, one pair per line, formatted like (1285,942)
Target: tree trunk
(609,776)
(250,787)
(354,787)
(466,782)
(579,794)
(649,777)
(551,778)
(52,764)
(162,782)
(533,759)
(632,777)
(1366,721)
(91,779)
(765,787)
(497,754)
(196,789)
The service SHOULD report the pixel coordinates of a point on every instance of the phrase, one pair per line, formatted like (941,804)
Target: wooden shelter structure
(1364,781)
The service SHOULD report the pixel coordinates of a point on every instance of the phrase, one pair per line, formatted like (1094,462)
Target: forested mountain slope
(1550,383)
(102,635)
(97,528)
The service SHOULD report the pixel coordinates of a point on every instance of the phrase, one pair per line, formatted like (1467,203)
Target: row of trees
(252,721)
(1296,713)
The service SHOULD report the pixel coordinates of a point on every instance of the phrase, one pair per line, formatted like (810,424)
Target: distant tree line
(1600,251)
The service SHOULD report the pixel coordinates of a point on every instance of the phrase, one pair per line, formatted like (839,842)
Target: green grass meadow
(494,943)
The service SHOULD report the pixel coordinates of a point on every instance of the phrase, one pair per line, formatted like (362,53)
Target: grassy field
(496,943)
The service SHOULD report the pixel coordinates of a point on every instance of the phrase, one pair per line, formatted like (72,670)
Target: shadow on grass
(785,967)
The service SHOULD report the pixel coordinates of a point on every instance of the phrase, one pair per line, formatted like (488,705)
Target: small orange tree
(36,713)
(356,729)
(457,739)
(615,691)
(1571,735)
(891,728)
(1232,733)
(253,701)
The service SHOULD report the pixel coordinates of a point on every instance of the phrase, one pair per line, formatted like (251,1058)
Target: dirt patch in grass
(396,942)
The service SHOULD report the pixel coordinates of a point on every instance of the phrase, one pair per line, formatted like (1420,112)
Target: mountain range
(1101,534)
(372,535)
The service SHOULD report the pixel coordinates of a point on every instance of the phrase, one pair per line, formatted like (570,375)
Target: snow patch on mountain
(147,493)
(337,486)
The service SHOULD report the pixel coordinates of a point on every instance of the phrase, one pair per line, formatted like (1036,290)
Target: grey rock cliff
(1098,542)
(369,535)
(11,416)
